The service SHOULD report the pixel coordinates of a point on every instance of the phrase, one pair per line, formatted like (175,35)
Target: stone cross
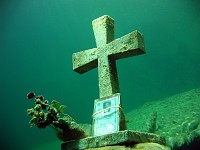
(107,52)
(108,116)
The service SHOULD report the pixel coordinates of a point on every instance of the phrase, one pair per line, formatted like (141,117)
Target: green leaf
(55,104)
(62,108)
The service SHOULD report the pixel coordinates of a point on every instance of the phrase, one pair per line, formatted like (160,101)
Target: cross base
(126,137)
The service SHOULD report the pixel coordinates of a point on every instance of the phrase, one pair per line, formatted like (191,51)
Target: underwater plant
(52,114)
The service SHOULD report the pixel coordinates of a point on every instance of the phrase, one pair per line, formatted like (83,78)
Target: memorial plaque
(108,116)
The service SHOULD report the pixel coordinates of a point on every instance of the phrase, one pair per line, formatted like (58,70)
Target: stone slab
(126,137)
(139,146)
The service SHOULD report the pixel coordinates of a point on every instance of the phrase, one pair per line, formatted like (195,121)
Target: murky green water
(37,39)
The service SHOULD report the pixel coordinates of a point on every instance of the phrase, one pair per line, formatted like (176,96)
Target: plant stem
(52,127)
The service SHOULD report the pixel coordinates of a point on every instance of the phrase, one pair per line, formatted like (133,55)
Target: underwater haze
(38,38)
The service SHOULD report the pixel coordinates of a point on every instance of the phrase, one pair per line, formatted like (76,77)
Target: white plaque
(106,117)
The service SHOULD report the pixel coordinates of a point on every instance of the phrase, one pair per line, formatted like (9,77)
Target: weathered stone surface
(107,52)
(126,137)
(139,146)
(150,146)
(111,148)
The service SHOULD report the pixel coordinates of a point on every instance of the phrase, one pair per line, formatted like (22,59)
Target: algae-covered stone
(126,137)
(178,118)
(139,146)
(107,52)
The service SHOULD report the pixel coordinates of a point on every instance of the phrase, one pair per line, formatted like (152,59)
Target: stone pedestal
(126,137)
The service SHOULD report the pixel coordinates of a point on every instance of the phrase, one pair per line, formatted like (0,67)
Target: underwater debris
(44,114)
(152,127)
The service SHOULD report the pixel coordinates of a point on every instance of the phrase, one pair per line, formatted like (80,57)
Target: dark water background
(38,37)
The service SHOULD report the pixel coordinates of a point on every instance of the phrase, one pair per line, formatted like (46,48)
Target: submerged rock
(178,118)
(140,146)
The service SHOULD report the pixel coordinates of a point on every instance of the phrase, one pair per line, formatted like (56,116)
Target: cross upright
(107,52)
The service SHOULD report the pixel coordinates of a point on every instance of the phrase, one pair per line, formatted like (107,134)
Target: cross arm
(131,44)
(84,61)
